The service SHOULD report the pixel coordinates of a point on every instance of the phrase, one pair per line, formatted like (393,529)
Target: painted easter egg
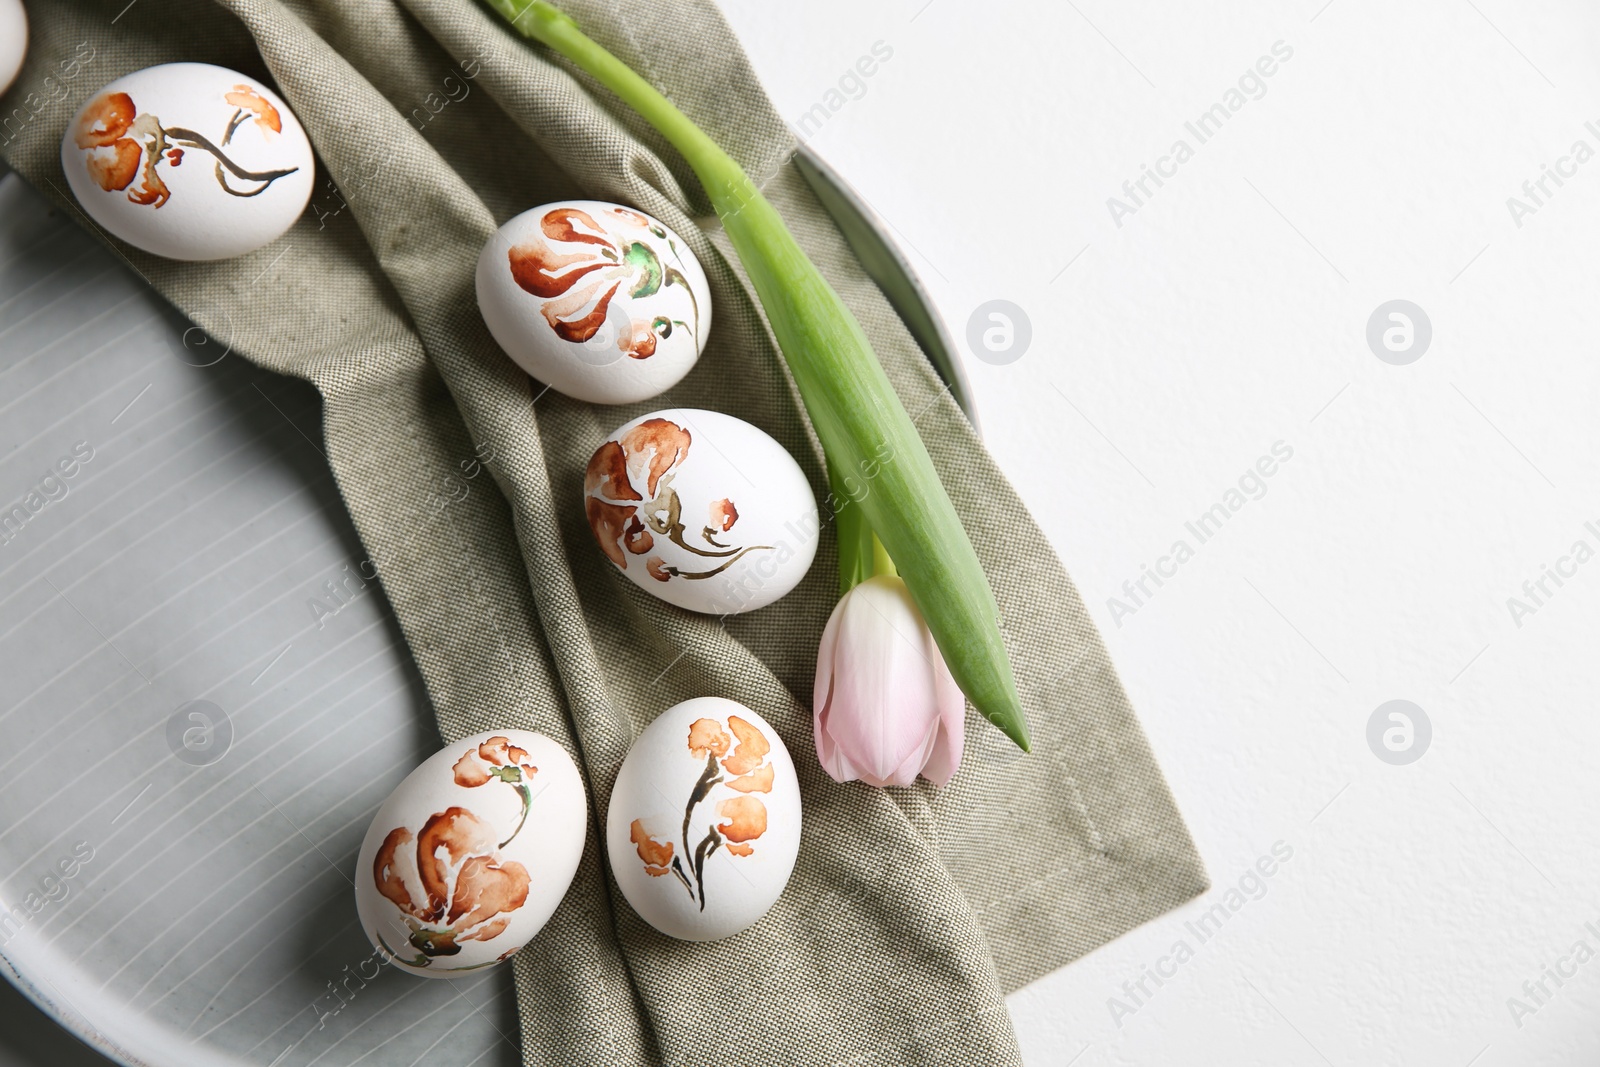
(13,41)
(597,301)
(702,509)
(467,859)
(189,161)
(704,823)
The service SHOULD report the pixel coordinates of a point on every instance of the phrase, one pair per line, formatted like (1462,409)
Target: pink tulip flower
(885,705)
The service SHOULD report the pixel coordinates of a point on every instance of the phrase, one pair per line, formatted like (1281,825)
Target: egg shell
(456,823)
(746,527)
(13,41)
(181,207)
(596,300)
(748,820)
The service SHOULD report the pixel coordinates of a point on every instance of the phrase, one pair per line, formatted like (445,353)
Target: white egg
(467,859)
(189,161)
(597,301)
(704,823)
(13,41)
(702,509)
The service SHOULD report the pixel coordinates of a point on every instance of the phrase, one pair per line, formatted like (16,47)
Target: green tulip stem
(870,442)
(882,565)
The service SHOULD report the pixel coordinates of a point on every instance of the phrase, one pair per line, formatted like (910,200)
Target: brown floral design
(723,515)
(123,145)
(630,502)
(448,879)
(251,104)
(578,269)
(744,770)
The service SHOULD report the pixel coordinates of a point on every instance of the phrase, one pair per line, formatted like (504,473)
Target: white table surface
(1226,314)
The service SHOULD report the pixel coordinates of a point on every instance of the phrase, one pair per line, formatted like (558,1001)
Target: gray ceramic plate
(203,702)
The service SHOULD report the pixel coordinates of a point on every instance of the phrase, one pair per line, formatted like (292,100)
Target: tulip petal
(948,743)
(898,682)
(885,707)
(822,694)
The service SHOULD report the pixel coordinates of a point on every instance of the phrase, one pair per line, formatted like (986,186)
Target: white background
(1230,313)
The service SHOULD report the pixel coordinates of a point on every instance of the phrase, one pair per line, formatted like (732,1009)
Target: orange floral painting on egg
(631,503)
(736,769)
(448,878)
(578,265)
(124,147)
